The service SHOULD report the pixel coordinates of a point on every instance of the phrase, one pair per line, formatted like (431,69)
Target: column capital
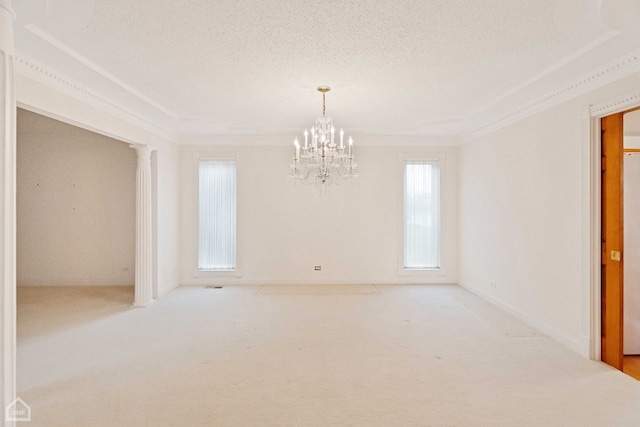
(141,148)
(144,155)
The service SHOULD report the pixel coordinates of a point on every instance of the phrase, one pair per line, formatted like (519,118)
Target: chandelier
(321,160)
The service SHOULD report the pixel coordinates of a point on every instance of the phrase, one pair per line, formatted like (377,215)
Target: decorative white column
(7,206)
(144,228)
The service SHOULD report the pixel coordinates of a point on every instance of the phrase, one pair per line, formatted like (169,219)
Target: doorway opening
(620,232)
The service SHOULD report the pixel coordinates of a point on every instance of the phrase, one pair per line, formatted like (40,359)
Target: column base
(143,304)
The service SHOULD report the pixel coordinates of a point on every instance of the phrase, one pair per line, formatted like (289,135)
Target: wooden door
(612,280)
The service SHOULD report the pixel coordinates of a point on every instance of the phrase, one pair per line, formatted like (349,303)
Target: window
(217,215)
(421,214)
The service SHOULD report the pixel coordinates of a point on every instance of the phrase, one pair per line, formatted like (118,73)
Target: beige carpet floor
(250,356)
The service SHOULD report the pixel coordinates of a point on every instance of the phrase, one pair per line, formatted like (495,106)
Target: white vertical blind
(217,215)
(421,215)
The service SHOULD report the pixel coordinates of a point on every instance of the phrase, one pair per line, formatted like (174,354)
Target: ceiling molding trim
(615,70)
(285,140)
(75,123)
(51,78)
(97,69)
(551,69)
(616,105)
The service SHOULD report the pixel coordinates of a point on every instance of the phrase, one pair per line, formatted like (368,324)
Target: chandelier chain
(323,104)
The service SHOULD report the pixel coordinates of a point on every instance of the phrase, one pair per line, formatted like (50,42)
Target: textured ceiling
(250,67)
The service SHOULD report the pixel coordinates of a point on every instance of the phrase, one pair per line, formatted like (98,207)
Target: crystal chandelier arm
(339,168)
(301,174)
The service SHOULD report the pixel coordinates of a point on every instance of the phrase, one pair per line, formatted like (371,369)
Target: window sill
(227,273)
(421,272)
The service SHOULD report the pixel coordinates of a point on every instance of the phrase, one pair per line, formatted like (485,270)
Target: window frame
(196,270)
(440,158)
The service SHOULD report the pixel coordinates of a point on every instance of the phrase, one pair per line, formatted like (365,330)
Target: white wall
(286,229)
(76,205)
(168,215)
(521,205)
(631,141)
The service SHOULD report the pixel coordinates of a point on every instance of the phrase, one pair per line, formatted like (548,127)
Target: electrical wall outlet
(317,268)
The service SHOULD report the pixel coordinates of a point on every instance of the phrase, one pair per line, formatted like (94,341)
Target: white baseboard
(580,344)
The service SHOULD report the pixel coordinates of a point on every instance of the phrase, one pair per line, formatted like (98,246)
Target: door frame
(591,218)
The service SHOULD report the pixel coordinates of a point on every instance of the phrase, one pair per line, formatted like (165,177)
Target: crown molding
(598,77)
(76,123)
(282,139)
(97,69)
(555,67)
(50,77)
(615,105)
